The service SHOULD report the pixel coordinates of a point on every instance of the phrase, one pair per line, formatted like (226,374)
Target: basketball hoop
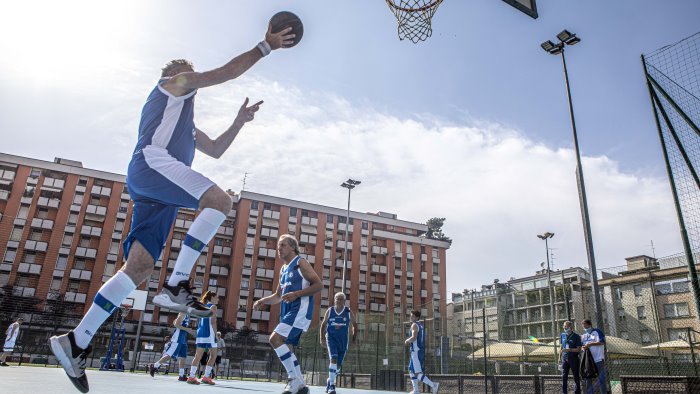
(414,17)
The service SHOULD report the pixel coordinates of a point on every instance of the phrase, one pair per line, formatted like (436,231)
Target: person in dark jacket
(594,340)
(568,357)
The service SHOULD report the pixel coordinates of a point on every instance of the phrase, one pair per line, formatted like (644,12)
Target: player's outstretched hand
(257,305)
(245,113)
(290,297)
(278,40)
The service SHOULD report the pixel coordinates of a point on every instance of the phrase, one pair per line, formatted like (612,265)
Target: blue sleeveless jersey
(205,332)
(180,336)
(419,344)
(291,280)
(167,123)
(338,327)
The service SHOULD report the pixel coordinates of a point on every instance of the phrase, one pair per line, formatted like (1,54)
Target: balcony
(222,250)
(37,246)
(397,292)
(260,293)
(4,195)
(363,267)
(260,315)
(409,274)
(7,175)
(307,239)
(339,264)
(341,227)
(96,210)
(223,230)
(309,221)
(241,314)
(218,270)
(254,212)
(101,191)
(340,244)
(265,252)
(91,231)
(269,232)
(339,283)
(327,262)
(53,183)
(176,243)
(75,297)
(363,286)
(42,223)
(364,248)
(262,273)
(436,278)
(26,200)
(75,208)
(423,275)
(89,253)
(29,268)
(374,307)
(246,271)
(184,224)
(48,202)
(378,288)
(423,293)
(380,269)
(81,274)
(271,214)
(21,291)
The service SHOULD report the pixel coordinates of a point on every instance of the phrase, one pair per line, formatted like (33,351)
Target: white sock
(198,236)
(107,299)
(287,358)
(182,372)
(157,364)
(425,380)
(297,368)
(207,371)
(193,371)
(333,369)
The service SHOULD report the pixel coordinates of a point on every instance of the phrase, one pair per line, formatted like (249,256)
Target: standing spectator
(568,357)
(221,345)
(594,340)
(11,335)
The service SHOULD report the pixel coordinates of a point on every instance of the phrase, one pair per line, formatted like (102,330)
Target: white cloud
(496,187)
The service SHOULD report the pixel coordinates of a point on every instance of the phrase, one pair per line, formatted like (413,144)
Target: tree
(435,230)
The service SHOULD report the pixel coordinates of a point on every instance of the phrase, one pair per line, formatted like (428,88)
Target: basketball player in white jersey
(10,337)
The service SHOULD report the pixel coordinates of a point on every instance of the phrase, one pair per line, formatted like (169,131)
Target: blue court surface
(36,380)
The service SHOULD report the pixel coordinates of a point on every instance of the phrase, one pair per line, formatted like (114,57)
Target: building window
(10,255)
(641,314)
(78,198)
(618,293)
(365,225)
(254,205)
(35,173)
(73,218)
(267,205)
(624,335)
(621,314)
(292,212)
(675,334)
(23,212)
(645,335)
(670,287)
(679,309)
(637,290)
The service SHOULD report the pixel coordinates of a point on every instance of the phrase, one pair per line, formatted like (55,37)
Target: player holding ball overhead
(160,181)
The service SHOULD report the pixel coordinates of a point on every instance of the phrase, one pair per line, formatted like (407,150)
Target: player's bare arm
(186,82)
(272,299)
(322,330)
(353,323)
(414,334)
(315,284)
(178,324)
(216,147)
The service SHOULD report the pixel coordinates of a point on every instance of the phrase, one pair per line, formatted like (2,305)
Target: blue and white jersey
(180,336)
(292,280)
(419,344)
(206,336)
(166,127)
(338,327)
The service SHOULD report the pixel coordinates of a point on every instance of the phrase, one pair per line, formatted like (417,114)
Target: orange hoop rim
(425,7)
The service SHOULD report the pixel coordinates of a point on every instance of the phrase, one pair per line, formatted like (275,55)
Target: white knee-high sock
(287,358)
(107,299)
(193,371)
(207,371)
(425,380)
(332,371)
(297,368)
(414,382)
(198,236)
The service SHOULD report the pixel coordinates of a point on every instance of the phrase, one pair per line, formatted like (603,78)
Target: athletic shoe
(296,386)
(436,387)
(152,370)
(179,298)
(193,381)
(182,378)
(72,359)
(331,390)
(207,380)
(4,364)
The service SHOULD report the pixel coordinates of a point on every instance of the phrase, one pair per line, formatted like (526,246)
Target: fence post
(486,374)
(692,351)
(29,329)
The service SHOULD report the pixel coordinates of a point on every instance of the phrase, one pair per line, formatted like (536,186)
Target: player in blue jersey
(416,342)
(297,283)
(160,181)
(176,348)
(206,340)
(335,335)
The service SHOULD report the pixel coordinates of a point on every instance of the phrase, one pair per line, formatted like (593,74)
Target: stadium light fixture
(349,184)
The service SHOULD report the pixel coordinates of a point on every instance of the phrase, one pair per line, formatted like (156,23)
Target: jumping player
(176,348)
(297,283)
(334,334)
(417,343)
(160,181)
(10,338)
(206,340)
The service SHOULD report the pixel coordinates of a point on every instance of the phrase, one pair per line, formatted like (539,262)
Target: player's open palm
(280,39)
(246,113)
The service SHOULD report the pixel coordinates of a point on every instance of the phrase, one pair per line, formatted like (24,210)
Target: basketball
(285,19)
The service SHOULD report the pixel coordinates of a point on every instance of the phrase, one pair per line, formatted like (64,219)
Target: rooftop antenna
(245,177)
(653,251)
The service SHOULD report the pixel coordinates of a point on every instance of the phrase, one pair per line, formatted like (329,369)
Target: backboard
(526,6)
(137,300)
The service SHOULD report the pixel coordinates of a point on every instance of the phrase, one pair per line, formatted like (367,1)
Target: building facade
(62,226)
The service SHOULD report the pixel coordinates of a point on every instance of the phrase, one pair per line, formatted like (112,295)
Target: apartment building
(62,225)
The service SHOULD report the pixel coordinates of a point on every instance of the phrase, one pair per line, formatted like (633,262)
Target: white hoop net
(414,17)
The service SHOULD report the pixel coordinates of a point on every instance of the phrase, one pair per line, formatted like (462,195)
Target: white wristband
(264,48)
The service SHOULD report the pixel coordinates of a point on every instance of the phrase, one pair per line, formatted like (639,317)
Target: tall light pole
(545,237)
(566,38)
(349,184)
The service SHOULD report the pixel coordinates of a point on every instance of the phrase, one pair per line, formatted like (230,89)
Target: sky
(471,125)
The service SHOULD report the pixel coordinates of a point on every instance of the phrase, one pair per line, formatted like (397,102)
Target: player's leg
(209,366)
(214,204)
(3,357)
(195,363)
(181,368)
(283,348)
(418,370)
(333,366)
(72,349)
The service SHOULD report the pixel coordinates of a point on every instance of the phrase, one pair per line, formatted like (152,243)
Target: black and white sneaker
(72,359)
(179,298)
(152,370)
